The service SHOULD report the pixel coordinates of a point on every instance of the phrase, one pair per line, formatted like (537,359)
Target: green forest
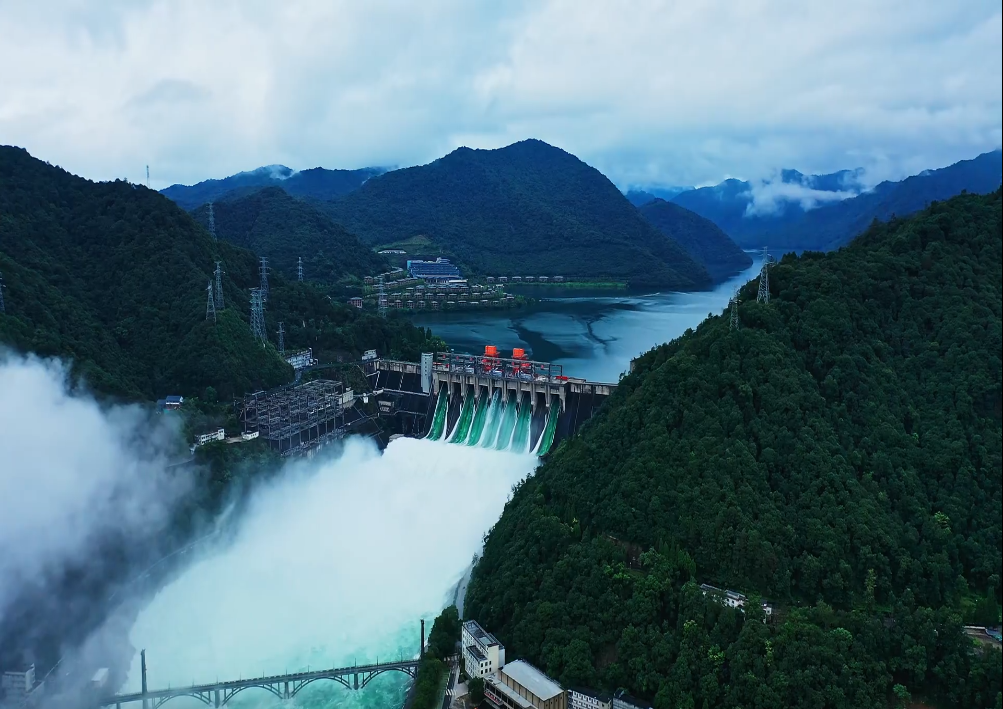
(527,209)
(112,277)
(274,224)
(839,453)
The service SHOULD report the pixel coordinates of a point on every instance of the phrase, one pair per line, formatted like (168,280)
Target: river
(593,335)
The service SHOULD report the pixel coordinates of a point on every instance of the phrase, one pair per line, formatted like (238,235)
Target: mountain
(273,224)
(821,212)
(316,183)
(834,225)
(745,209)
(701,238)
(838,453)
(528,208)
(639,197)
(112,278)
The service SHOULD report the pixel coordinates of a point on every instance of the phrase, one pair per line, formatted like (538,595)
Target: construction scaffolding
(297,419)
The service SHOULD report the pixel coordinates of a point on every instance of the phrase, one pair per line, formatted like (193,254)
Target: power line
(764,279)
(210,304)
(219,285)
(258,317)
(212,222)
(282,338)
(299,269)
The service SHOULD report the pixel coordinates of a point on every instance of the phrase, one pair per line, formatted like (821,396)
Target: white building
(622,700)
(579,698)
(519,685)
(301,359)
(203,438)
(482,653)
(18,683)
(733,599)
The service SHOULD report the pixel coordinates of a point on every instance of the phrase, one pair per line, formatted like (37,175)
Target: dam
(505,403)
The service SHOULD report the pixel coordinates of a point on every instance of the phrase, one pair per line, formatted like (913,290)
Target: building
(355,302)
(580,698)
(203,438)
(388,252)
(558,279)
(170,403)
(482,653)
(18,683)
(732,599)
(301,359)
(519,685)
(622,700)
(438,271)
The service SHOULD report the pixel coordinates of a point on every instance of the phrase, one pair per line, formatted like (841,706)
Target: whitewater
(334,563)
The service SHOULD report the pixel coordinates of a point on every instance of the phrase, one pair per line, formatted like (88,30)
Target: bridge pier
(356,680)
(215,698)
(285,691)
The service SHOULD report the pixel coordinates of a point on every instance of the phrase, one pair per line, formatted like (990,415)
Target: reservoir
(594,335)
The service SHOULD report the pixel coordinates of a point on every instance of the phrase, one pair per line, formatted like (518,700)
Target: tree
(475,687)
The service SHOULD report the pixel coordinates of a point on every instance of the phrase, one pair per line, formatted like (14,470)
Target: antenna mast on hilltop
(3,308)
(382,299)
(733,305)
(299,269)
(258,316)
(210,305)
(147,176)
(263,271)
(219,285)
(764,279)
(282,339)
(212,222)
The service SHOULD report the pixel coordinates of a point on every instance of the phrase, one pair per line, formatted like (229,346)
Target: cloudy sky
(649,92)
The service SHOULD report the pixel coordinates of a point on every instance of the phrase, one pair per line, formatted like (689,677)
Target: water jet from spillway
(333,564)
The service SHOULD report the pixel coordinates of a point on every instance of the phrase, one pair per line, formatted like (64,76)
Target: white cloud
(72,476)
(648,92)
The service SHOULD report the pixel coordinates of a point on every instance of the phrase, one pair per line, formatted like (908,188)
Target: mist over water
(335,563)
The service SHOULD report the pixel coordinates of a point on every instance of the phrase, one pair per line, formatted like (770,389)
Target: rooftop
(532,679)
(495,684)
(601,696)
(480,634)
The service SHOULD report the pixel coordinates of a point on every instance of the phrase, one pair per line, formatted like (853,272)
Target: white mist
(335,563)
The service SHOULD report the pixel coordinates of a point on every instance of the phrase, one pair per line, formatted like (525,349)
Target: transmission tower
(282,339)
(299,269)
(382,299)
(212,222)
(3,308)
(263,271)
(733,305)
(147,176)
(258,316)
(210,304)
(219,285)
(764,279)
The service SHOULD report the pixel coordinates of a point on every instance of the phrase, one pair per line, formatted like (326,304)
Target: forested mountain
(701,238)
(112,277)
(838,452)
(527,209)
(316,183)
(822,212)
(272,223)
(641,197)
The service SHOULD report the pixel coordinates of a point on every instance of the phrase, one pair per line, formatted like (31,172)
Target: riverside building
(482,653)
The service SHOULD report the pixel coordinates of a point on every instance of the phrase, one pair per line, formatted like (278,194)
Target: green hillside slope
(840,453)
(527,209)
(113,276)
(273,224)
(701,237)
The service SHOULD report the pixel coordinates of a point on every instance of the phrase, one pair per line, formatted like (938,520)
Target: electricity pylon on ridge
(258,317)
(210,304)
(263,273)
(212,222)
(282,338)
(219,285)
(733,306)
(299,269)
(764,279)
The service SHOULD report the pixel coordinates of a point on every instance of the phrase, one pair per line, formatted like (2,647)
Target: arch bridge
(284,686)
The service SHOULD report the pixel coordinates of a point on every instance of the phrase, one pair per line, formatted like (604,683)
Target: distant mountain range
(275,224)
(316,183)
(526,209)
(701,238)
(823,212)
(641,197)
